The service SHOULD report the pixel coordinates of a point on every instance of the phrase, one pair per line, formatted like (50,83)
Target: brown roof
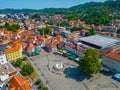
(84,31)
(114,54)
(16,47)
(19,83)
(52,46)
(59,37)
(30,47)
(105,33)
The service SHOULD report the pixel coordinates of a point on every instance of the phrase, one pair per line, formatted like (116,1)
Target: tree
(118,31)
(25,59)
(16,26)
(76,28)
(45,88)
(13,27)
(64,23)
(1,27)
(88,34)
(13,63)
(27,69)
(6,25)
(92,31)
(39,81)
(46,30)
(90,62)
(36,16)
(18,62)
(51,22)
(41,85)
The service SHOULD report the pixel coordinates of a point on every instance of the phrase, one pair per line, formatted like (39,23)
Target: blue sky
(40,4)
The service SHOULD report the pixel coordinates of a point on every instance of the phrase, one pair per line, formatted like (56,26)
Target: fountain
(58,66)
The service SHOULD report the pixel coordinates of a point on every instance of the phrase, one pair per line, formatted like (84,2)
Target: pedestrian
(47,82)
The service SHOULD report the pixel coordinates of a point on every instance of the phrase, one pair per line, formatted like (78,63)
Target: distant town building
(111,29)
(66,33)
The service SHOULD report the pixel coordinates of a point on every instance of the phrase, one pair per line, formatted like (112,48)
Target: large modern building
(98,41)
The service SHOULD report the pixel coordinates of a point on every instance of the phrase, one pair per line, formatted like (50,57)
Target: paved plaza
(71,77)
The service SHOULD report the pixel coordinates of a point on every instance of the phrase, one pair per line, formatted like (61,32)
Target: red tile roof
(114,54)
(19,83)
(16,47)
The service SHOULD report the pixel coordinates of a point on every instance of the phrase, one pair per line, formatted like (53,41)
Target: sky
(40,4)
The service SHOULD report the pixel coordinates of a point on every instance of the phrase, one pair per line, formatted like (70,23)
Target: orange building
(19,83)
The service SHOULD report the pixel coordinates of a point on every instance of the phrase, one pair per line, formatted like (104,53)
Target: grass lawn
(33,76)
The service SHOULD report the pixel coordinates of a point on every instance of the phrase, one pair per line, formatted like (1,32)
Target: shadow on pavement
(107,73)
(75,73)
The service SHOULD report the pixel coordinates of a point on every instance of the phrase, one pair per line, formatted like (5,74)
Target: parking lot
(71,78)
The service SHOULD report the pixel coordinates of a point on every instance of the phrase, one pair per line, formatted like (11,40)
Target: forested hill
(109,3)
(92,13)
(113,4)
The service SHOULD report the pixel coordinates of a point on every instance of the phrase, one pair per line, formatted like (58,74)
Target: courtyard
(70,77)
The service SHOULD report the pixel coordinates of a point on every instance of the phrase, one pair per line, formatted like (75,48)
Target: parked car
(117,77)
(48,49)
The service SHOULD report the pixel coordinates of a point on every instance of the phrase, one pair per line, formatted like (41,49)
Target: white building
(6,69)
(3,58)
(111,60)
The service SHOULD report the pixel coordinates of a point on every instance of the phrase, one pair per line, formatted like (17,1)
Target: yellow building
(14,53)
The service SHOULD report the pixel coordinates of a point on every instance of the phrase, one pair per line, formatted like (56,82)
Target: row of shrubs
(41,85)
(19,61)
(26,67)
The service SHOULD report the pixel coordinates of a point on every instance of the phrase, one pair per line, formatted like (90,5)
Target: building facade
(3,58)
(14,53)
(111,60)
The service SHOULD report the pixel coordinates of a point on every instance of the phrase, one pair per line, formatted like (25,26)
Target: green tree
(45,30)
(18,62)
(2,27)
(25,59)
(51,22)
(45,88)
(88,34)
(92,31)
(41,85)
(6,25)
(36,16)
(27,69)
(118,31)
(39,81)
(64,23)
(90,63)
(13,27)
(16,26)
(13,63)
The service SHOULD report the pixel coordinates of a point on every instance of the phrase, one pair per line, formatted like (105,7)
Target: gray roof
(66,32)
(100,40)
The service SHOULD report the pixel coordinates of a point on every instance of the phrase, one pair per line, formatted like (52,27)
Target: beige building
(111,60)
